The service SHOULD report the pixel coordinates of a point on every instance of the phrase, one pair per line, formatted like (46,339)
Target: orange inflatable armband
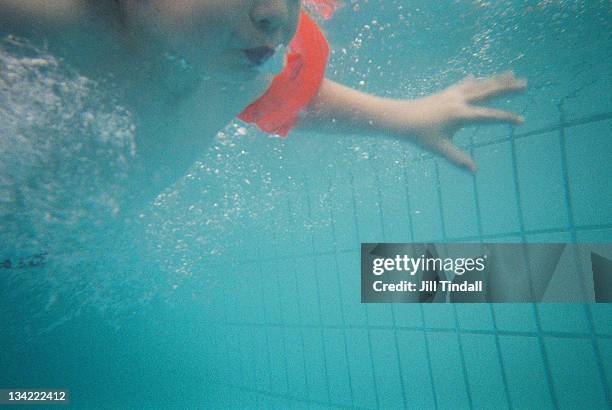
(276,112)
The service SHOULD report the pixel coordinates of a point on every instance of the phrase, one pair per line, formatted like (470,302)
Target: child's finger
(492,87)
(482,114)
(456,156)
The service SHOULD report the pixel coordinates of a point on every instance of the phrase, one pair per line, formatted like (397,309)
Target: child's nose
(269,16)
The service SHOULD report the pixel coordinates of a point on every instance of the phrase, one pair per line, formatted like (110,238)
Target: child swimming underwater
(205,50)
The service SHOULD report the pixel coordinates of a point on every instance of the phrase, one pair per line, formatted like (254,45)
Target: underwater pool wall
(287,329)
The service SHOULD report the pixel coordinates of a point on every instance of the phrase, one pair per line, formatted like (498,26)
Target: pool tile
(316,406)
(555,237)
(295,363)
(380,314)
(221,352)
(394,203)
(563,317)
(386,369)
(343,213)
(594,95)
(242,291)
(540,179)
(605,348)
(278,403)
(349,272)
(515,317)
(589,170)
(228,398)
(474,316)
(298,225)
(482,362)
(217,303)
(262,371)
(276,236)
(337,367)
(246,247)
(235,365)
(602,312)
(594,236)
(458,201)
(424,201)
(368,212)
(447,370)
(288,293)
(329,290)
(496,190)
(307,291)
(439,315)
(229,277)
(505,239)
(574,373)
(415,369)
(271,293)
(247,356)
(315,365)
(408,315)
(525,373)
(278,361)
(321,214)
(362,377)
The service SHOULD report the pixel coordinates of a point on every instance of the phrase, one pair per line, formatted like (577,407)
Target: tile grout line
(453,306)
(577,259)
(299,306)
(395,339)
(352,184)
(421,309)
(265,325)
(340,298)
(491,310)
(469,239)
(540,333)
(319,311)
(563,335)
(534,306)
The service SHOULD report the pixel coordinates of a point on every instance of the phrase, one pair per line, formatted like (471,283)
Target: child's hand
(434,120)
(431,121)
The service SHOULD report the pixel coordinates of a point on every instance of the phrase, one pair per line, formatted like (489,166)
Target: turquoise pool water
(239,286)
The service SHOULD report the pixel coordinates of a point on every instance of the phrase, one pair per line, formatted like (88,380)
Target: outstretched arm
(429,122)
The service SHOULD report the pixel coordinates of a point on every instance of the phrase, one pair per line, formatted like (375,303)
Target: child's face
(231,37)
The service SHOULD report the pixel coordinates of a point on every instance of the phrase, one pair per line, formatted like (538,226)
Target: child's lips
(259,55)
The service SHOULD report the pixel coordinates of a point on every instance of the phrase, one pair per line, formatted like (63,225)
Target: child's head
(232,36)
